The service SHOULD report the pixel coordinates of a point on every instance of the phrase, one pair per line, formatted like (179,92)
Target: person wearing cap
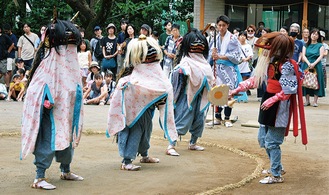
(146,30)
(134,101)
(19,64)
(192,78)
(6,46)
(93,69)
(324,59)
(94,40)
(312,55)
(110,51)
(293,33)
(171,48)
(16,89)
(11,56)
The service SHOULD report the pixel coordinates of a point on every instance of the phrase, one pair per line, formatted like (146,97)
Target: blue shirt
(298,49)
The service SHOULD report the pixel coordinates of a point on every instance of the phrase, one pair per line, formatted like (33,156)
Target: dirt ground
(230,163)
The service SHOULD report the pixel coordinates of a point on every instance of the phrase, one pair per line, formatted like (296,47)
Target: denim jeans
(44,154)
(189,119)
(271,138)
(136,139)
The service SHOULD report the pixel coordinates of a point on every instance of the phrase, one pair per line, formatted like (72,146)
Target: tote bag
(310,79)
(108,63)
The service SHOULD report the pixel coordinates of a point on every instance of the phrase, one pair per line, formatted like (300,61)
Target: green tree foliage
(94,12)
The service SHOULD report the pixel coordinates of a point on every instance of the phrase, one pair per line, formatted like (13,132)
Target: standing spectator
(84,57)
(266,30)
(305,35)
(246,55)
(324,59)
(37,42)
(155,35)
(109,44)
(26,46)
(11,54)
(210,39)
(82,33)
(163,36)
(97,50)
(261,26)
(293,33)
(130,34)
(121,39)
(312,55)
(145,30)
(284,30)
(251,40)
(227,56)
(170,49)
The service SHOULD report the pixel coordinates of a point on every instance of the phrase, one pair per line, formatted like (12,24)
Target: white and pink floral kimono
(57,79)
(136,93)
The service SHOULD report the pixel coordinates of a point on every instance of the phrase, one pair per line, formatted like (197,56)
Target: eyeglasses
(250,30)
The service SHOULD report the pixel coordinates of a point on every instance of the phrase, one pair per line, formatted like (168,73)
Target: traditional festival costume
(52,112)
(227,71)
(279,101)
(192,78)
(134,101)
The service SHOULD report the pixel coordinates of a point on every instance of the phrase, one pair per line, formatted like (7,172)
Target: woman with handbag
(312,55)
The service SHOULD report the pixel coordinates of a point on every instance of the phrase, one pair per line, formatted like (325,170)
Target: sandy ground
(229,165)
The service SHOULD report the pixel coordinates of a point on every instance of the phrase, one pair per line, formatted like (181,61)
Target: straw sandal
(71,176)
(171,151)
(195,147)
(130,167)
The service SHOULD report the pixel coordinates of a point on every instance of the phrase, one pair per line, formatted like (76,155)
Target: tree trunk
(88,17)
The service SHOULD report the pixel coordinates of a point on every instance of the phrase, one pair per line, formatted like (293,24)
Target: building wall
(213,9)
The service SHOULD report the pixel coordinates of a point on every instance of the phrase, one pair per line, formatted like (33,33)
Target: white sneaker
(228,123)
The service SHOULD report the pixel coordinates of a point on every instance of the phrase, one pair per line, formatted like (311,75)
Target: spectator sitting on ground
(97,92)
(93,70)
(16,89)
(22,75)
(110,85)
(3,89)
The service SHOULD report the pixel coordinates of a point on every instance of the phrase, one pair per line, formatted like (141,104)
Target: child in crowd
(22,75)
(110,85)
(16,89)
(246,56)
(84,57)
(93,70)
(97,92)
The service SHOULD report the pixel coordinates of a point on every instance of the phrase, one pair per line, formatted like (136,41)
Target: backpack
(98,51)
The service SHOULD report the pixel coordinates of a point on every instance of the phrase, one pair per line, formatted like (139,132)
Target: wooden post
(305,9)
(202,2)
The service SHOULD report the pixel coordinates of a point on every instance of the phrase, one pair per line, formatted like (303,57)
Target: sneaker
(41,183)
(228,123)
(71,176)
(315,105)
(195,147)
(271,180)
(130,167)
(216,122)
(307,104)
